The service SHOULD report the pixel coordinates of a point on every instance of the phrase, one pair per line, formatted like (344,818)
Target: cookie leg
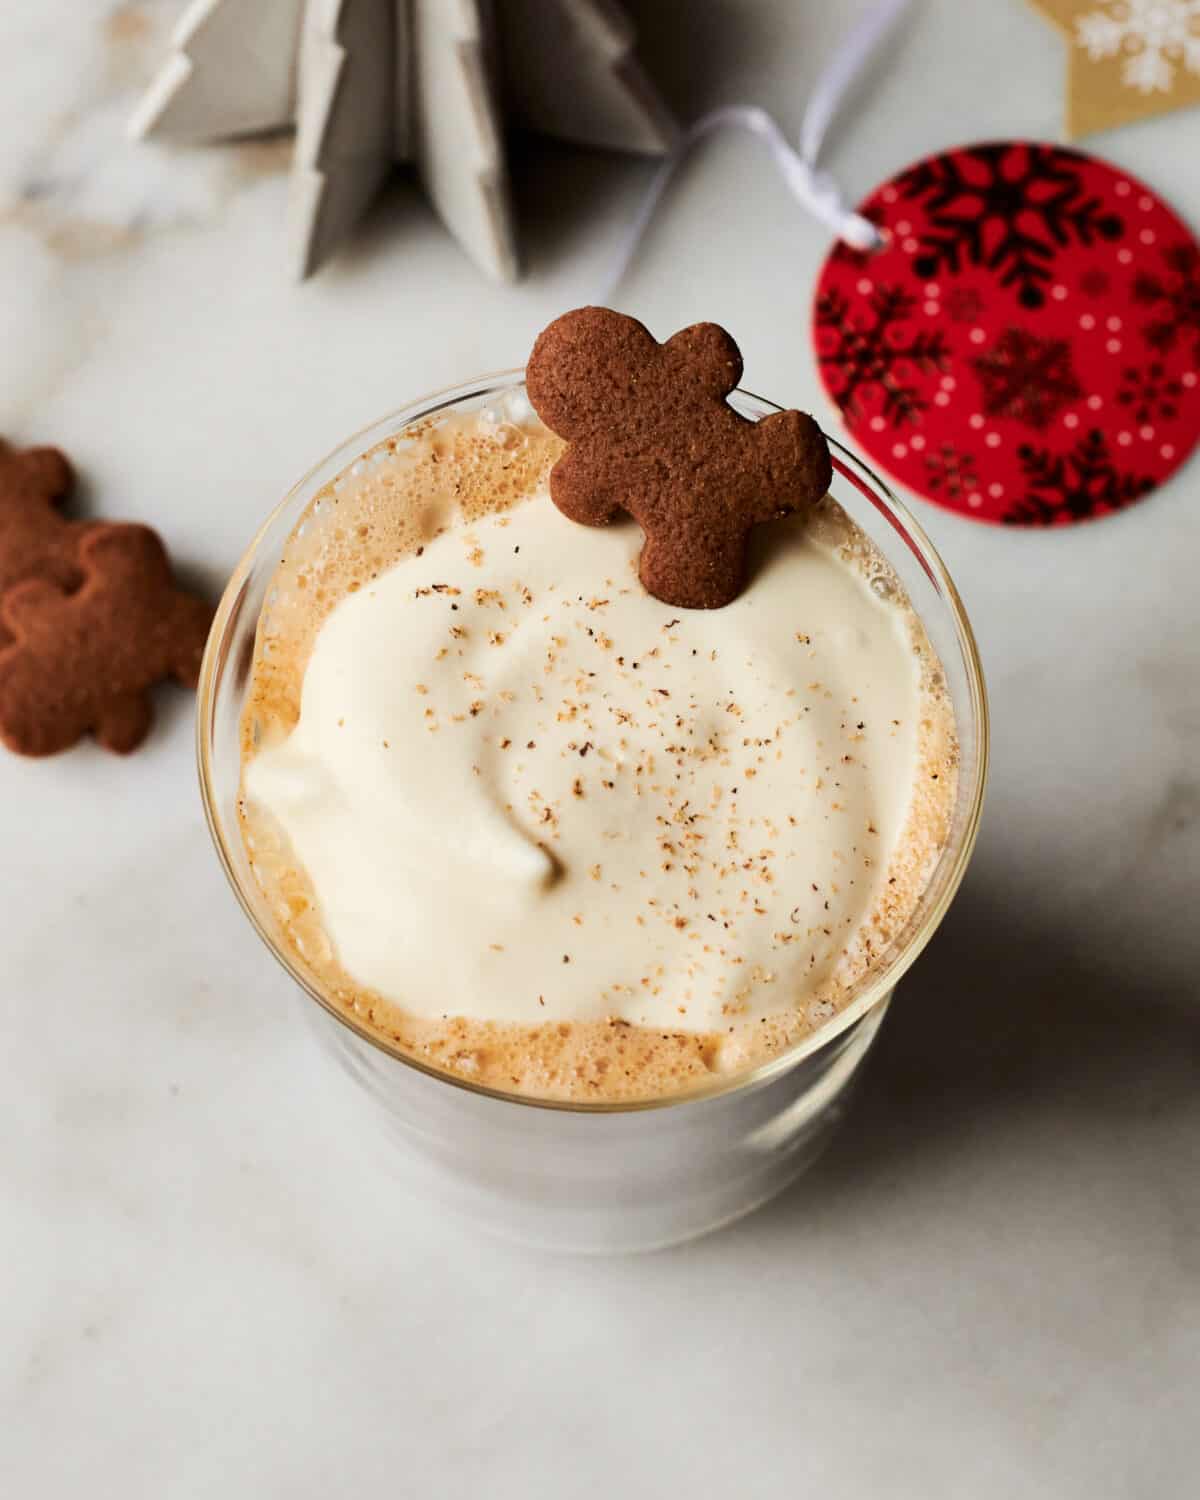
(31,724)
(124,723)
(693,571)
(190,628)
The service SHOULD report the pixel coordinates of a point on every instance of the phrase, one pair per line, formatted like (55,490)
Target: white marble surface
(988,1288)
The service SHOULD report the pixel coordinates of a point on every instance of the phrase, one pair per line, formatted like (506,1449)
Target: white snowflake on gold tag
(1155,37)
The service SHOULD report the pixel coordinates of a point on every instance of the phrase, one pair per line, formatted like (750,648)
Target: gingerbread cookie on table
(650,433)
(85,661)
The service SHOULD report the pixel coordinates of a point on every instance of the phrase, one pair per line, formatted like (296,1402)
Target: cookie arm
(579,489)
(790,460)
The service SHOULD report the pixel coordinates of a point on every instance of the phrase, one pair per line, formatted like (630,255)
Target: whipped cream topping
(524,791)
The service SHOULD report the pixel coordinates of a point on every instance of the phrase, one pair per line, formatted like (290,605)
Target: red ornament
(1025,348)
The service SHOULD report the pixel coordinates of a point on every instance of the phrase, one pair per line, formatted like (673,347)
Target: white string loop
(812,187)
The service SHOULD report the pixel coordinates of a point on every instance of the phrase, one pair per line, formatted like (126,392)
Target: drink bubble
(516,407)
(311,942)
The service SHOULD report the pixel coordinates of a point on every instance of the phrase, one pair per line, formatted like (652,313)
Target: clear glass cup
(597,1177)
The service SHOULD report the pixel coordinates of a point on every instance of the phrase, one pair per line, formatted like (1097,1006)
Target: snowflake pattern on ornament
(950,472)
(1174,295)
(865,353)
(1024,348)
(1154,37)
(1027,378)
(1010,211)
(1075,486)
(1150,394)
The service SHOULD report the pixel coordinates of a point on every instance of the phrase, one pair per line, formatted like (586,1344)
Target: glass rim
(876,990)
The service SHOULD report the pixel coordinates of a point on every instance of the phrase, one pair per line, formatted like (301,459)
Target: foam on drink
(543,831)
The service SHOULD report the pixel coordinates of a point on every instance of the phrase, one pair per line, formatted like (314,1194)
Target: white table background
(991,1285)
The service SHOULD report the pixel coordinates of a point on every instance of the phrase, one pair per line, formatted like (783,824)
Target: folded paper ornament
(369,83)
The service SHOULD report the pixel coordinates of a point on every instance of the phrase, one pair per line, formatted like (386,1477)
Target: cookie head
(586,368)
(705,361)
(35,540)
(651,433)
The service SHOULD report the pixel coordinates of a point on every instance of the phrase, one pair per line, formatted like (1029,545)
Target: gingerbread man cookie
(651,433)
(86,661)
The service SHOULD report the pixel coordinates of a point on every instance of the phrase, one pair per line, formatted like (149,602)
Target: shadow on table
(565,198)
(1003,1020)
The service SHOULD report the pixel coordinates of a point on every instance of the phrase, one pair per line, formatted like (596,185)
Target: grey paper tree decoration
(368,83)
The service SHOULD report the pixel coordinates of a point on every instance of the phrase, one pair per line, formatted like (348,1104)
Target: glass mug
(598,1176)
